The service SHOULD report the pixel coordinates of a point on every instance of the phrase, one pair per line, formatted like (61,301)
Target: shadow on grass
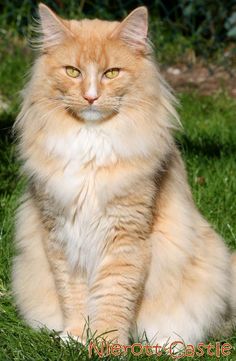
(206,146)
(6,122)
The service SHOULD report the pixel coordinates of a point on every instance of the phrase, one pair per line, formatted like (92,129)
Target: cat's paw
(171,345)
(72,333)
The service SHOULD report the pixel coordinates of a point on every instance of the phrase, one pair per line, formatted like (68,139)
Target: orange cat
(107,228)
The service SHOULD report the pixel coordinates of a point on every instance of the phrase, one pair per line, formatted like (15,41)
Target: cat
(107,229)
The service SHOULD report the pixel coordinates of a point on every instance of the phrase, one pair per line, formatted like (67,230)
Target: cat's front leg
(75,311)
(71,288)
(116,293)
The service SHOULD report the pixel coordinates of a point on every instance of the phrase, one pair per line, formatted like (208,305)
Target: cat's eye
(72,72)
(112,73)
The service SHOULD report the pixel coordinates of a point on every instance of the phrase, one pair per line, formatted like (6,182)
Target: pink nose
(90,99)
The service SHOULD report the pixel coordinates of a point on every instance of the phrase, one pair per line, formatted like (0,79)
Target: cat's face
(93,66)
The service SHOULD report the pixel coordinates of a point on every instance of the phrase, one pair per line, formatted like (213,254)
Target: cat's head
(93,68)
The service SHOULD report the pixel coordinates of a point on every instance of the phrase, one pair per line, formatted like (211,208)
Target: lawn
(208,145)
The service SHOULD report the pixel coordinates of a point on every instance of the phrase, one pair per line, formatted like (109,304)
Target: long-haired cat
(107,229)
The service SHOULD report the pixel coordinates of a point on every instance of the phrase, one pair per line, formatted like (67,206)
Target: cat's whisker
(51,111)
(137,100)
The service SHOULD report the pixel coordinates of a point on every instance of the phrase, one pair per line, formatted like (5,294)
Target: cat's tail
(229,324)
(233,290)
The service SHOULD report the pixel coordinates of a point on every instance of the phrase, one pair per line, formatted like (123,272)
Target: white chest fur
(83,225)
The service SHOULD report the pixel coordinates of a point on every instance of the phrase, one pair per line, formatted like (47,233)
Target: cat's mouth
(93,112)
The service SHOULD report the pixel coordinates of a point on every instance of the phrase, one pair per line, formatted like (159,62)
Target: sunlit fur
(107,227)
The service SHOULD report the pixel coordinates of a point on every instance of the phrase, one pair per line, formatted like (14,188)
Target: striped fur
(107,228)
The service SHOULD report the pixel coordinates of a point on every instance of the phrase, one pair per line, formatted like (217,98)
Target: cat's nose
(90,99)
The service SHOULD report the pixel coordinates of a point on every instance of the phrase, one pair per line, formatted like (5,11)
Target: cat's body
(108,229)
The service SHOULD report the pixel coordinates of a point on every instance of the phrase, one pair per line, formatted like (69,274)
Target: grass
(208,145)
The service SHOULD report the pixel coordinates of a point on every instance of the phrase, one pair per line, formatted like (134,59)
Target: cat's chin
(92,115)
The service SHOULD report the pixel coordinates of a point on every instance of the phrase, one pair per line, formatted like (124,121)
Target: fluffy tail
(233,291)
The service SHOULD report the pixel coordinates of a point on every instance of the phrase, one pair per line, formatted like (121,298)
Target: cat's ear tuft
(53,28)
(134,29)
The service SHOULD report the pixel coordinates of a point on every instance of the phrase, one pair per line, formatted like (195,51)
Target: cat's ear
(134,29)
(53,28)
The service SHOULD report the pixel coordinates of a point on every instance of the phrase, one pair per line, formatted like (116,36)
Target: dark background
(204,22)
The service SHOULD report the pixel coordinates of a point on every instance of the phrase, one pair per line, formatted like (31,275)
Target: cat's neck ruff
(88,144)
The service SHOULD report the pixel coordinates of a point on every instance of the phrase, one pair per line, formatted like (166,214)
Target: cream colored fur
(107,228)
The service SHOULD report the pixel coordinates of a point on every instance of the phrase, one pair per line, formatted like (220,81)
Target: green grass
(208,144)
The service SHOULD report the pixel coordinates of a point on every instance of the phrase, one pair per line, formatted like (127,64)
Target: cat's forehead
(90,29)
(91,42)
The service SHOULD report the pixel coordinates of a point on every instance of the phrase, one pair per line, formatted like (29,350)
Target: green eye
(112,73)
(72,72)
